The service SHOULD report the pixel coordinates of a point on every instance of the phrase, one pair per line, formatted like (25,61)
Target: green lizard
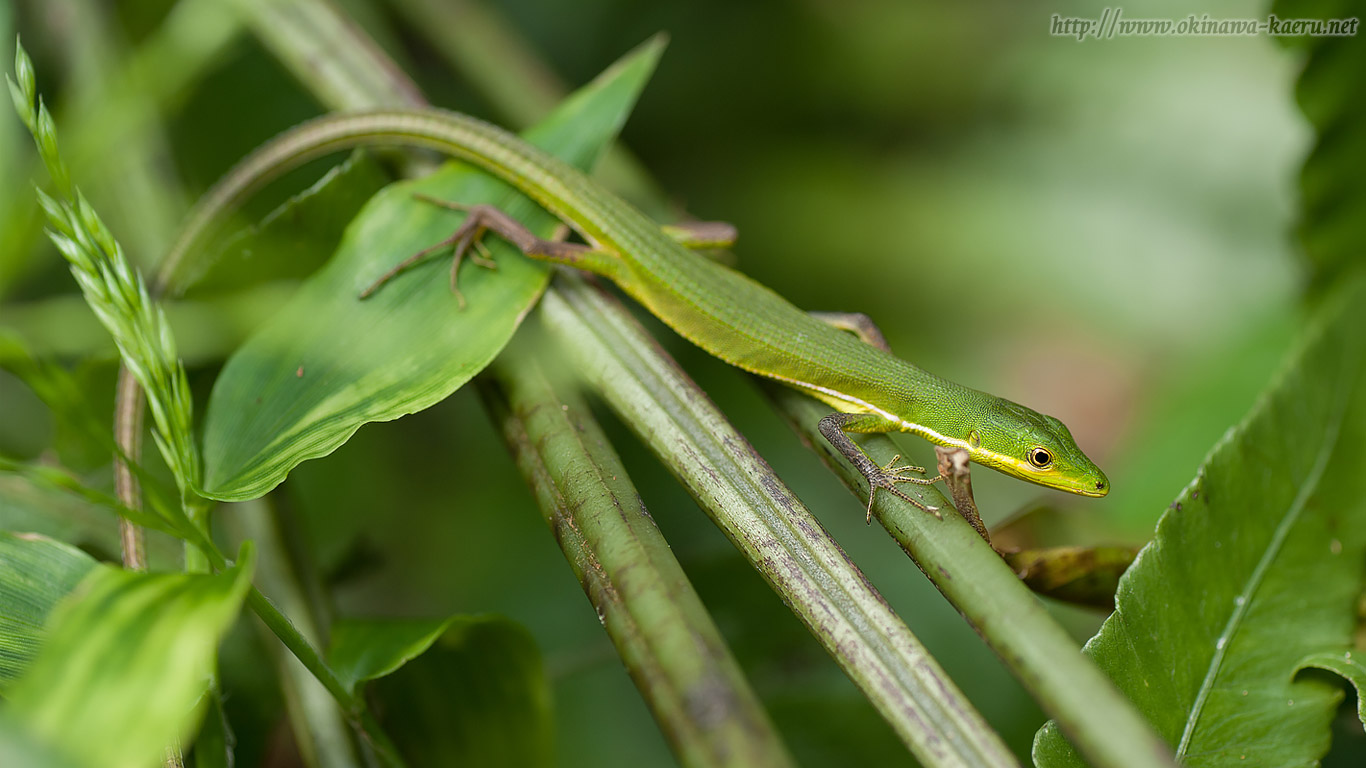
(718,309)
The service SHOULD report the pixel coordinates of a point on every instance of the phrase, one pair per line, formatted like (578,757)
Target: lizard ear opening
(974,439)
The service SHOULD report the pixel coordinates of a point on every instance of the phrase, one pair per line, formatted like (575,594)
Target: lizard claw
(892,469)
(889,475)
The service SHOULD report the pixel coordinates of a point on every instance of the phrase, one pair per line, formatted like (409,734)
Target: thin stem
(128,437)
(352,706)
(320,730)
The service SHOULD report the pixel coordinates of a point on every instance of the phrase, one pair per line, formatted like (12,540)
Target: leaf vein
(1273,549)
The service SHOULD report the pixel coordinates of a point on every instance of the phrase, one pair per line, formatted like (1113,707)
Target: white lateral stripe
(906,426)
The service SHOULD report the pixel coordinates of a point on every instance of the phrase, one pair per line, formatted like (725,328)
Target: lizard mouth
(1100,489)
(1094,487)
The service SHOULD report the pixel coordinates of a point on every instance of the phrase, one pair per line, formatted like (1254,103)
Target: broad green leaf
(1332,196)
(1257,565)
(294,239)
(365,649)
(127,660)
(478,696)
(35,573)
(328,362)
(1348,665)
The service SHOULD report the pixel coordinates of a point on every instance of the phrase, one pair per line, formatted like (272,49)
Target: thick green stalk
(769,525)
(1091,711)
(657,623)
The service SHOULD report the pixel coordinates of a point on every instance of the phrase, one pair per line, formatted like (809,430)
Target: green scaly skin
(718,309)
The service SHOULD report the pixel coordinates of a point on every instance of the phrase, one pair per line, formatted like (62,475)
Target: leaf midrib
(1278,538)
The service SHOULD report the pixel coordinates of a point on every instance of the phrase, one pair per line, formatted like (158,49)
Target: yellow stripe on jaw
(1026,471)
(1000,461)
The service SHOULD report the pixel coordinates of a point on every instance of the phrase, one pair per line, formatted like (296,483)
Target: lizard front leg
(834,428)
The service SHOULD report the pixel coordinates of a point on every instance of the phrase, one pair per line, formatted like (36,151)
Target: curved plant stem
(1096,717)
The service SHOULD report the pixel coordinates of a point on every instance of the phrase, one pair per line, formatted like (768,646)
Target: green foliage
(477,696)
(329,362)
(29,505)
(35,573)
(467,690)
(366,649)
(1332,196)
(1346,665)
(922,212)
(127,659)
(165,519)
(1257,565)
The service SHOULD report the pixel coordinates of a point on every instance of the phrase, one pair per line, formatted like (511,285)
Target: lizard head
(1024,443)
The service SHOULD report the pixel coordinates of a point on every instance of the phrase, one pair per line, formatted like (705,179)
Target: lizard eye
(1040,458)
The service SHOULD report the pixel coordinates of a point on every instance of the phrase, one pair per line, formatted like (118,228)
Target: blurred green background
(1098,229)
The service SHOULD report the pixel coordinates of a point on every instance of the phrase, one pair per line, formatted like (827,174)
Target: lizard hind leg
(480,219)
(702,235)
(858,324)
